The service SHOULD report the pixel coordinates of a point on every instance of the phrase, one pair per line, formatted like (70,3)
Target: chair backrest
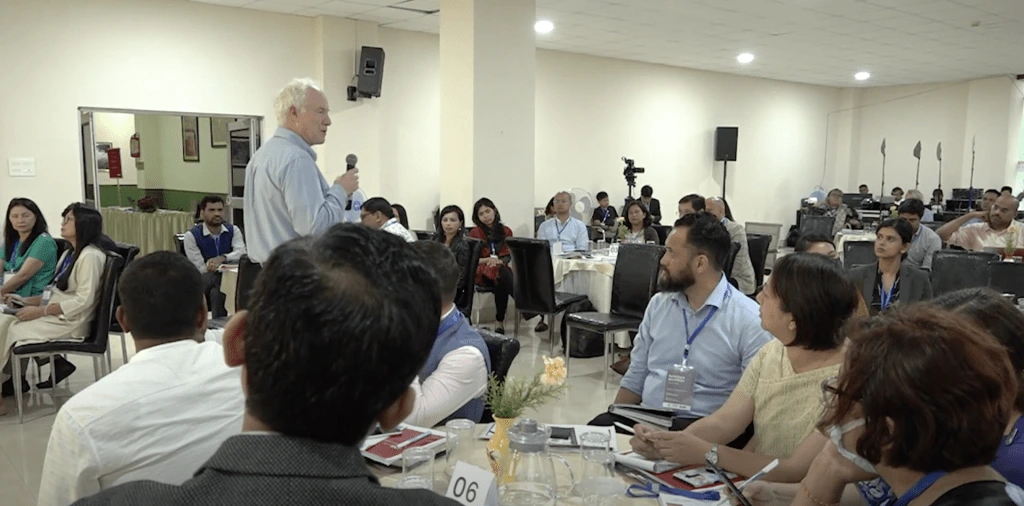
(1006,277)
(820,225)
(128,252)
(248,271)
(179,243)
(662,231)
(423,235)
(730,261)
(636,278)
(62,246)
(858,253)
(537,222)
(758,246)
(953,270)
(503,350)
(533,275)
(99,329)
(464,296)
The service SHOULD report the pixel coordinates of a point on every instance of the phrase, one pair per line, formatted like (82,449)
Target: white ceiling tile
(274,7)
(229,3)
(812,41)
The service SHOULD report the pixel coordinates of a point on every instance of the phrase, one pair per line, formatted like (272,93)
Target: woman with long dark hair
(493,270)
(452,233)
(28,255)
(74,293)
(401,214)
(638,225)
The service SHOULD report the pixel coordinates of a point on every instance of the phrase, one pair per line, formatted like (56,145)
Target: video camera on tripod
(630,172)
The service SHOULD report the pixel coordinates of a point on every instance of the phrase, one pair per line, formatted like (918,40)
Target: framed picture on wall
(190,138)
(219,132)
(102,162)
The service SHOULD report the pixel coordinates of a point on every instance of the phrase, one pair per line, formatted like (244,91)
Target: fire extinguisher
(135,146)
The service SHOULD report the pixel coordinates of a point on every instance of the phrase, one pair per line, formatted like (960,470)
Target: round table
(389,476)
(591,277)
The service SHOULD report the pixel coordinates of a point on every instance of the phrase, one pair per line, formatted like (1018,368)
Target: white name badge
(8,276)
(556,249)
(472,486)
(679,385)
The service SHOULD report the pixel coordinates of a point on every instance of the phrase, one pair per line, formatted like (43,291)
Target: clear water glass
(460,441)
(599,485)
(417,468)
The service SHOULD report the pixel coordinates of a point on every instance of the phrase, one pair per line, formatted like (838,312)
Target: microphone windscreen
(351,159)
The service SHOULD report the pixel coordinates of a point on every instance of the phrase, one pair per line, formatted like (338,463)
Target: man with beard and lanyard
(697,322)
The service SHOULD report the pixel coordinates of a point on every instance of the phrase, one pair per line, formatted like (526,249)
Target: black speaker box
(371,71)
(725,143)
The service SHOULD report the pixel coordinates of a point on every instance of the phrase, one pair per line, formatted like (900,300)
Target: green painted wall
(175,200)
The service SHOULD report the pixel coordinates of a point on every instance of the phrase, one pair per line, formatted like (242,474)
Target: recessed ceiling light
(862,76)
(543,26)
(745,58)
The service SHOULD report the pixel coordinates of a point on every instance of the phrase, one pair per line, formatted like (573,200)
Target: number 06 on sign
(472,486)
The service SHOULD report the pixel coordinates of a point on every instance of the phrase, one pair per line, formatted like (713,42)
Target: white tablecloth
(846,236)
(593,278)
(228,283)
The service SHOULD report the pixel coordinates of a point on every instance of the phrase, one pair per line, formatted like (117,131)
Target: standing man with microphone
(286,196)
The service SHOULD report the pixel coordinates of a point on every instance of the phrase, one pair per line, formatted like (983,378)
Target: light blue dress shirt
(286,196)
(572,234)
(720,353)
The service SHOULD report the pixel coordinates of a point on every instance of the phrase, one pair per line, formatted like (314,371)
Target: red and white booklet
(381,449)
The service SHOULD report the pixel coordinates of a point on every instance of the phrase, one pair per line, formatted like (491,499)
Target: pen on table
(408,442)
(625,427)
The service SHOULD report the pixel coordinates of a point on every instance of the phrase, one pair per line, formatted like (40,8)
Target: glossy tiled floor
(22,447)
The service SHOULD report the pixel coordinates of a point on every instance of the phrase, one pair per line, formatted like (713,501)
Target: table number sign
(472,486)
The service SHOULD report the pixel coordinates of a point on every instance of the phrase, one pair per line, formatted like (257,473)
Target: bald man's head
(1003,211)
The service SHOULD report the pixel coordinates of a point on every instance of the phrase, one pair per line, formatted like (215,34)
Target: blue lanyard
(686,320)
(886,297)
(562,228)
(655,489)
(14,252)
(454,319)
(64,265)
(494,249)
(605,214)
(919,488)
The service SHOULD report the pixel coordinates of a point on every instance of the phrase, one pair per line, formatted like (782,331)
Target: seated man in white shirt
(210,244)
(163,414)
(452,382)
(377,214)
(563,228)
(998,228)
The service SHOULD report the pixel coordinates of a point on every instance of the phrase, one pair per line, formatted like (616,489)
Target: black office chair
(128,252)
(62,246)
(818,225)
(1007,277)
(662,231)
(730,261)
(537,222)
(858,253)
(953,270)
(503,350)
(423,235)
(179,243)
(464,296)
(247,273)
(634,283)
(534,280)
(95,344)
(758,246)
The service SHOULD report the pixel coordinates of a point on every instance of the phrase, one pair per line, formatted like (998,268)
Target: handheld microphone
(350,161)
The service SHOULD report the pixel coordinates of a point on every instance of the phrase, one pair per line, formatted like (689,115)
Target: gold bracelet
(815,500)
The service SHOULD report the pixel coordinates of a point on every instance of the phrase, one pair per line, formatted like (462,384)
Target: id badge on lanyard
(47,294)
(679,385)
(8,276)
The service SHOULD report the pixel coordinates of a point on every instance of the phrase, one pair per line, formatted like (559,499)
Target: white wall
(163,55)
(952,113)
(117,129)
(162,155)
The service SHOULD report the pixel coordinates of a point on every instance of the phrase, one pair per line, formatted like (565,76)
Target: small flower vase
(497,447)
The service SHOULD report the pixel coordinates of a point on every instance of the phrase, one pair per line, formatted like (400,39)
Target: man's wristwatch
(712,456)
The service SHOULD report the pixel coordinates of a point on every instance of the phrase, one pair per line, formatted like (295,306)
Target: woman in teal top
(28,255)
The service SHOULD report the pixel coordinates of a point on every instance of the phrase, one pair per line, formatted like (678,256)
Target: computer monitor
(854,200)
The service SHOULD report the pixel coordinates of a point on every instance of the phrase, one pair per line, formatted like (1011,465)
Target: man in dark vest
(452,382)
(210,244)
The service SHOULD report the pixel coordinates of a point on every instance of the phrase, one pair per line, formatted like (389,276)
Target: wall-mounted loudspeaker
(371,71)
(725,143)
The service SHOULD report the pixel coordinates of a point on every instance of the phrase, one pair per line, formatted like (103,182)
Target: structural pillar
(487,74)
